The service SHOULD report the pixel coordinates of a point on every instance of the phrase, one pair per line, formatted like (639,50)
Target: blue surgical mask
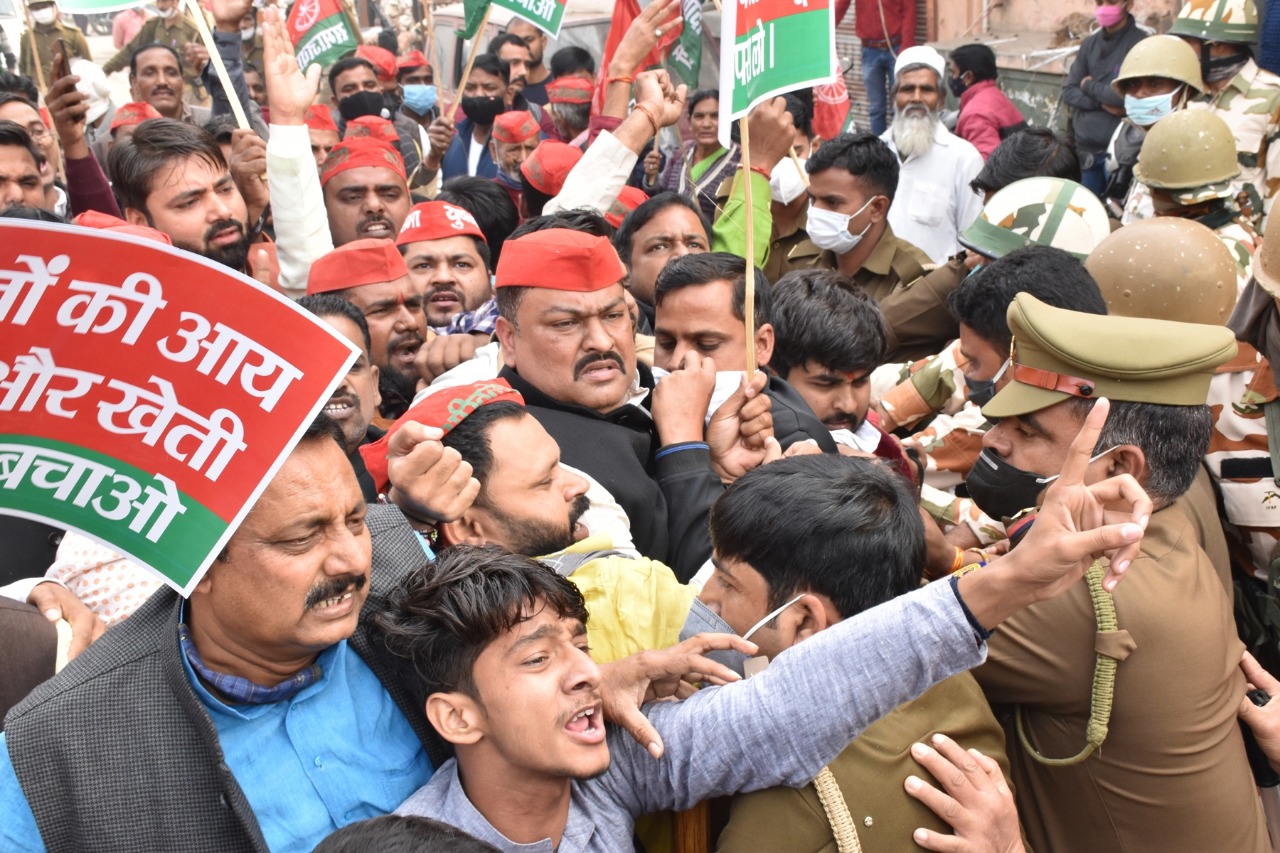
(420,98)
(1145,112)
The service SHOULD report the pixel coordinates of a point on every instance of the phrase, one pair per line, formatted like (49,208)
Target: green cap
(1058,354)
(1233,21)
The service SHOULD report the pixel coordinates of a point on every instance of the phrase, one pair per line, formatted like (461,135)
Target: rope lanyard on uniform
(837,812)
(1104,681)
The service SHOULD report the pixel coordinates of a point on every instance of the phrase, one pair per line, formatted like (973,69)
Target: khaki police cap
(1059,354)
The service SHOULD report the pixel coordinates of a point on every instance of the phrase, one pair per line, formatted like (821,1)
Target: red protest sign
(147,395)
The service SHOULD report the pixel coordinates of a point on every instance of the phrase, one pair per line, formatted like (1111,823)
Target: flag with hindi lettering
(546,15)
(685,60)
(320,32)
(769,47)
(624,12)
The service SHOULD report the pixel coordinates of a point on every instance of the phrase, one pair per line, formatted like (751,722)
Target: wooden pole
(804,176)
(237,109)
(35,52)
(749,309)
(471,61)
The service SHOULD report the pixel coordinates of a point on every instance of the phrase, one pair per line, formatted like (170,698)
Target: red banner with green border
(147,395)
(768,47)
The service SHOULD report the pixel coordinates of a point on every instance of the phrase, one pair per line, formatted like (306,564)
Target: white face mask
(167,13)
(787,184)
(44,16)
(830,230)
(247,35)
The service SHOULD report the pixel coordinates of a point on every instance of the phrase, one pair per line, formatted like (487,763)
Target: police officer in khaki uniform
(48,28)
(171,28)
(1152,758)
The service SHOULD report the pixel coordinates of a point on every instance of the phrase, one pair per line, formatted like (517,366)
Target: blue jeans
(1095,177)
(877,78)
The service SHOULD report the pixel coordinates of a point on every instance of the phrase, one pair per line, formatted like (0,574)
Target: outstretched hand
(627,684)
(975,799)
(289,91)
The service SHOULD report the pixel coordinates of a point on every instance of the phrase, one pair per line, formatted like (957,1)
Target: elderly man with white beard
(934,201)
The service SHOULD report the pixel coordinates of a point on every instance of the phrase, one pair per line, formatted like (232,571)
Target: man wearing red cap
(570,107)
(365,191)
(371,275)
(375,126)
(568,343)
(448,259)
(128,117)
(542,175)
(360,88)
(322,132)
(515,136)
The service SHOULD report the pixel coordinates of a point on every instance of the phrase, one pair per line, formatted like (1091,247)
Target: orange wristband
(627,80)
(648,113)
(762,172)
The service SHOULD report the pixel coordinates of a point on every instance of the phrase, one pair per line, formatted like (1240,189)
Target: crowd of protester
(963,540)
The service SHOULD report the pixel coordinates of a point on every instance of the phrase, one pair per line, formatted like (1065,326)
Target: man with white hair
(934,201)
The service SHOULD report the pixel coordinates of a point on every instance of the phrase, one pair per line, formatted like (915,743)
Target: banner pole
(804,176)
(471,60)
(749,309)
(237,109)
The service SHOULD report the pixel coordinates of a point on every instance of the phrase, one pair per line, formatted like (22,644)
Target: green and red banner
(320,32)
(546,15)
(685,59)
(768,47)
(147,395)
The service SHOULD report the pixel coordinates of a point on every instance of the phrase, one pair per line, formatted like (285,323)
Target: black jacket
(1099,58)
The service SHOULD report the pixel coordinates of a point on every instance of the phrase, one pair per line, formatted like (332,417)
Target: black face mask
(1218,68)
(957,86)
(980,390)
(1001,490)
(393,100)
(483,110)
(363,104)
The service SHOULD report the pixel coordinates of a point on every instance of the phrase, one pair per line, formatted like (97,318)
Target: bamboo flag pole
(237,109)
(804,176)
(471,60)
(749,309)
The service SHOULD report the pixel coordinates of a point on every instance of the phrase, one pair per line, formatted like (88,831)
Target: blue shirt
(337,752)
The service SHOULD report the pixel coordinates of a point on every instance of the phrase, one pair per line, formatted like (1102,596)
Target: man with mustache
(366,191)
(353,403)
(447,256)
(244,708)
(172,177)
(934,202)
(568,345)
(371,275)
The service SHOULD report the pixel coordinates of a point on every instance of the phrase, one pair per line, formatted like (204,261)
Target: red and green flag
(546,15)
(768,47)
(320,32)
(685,59)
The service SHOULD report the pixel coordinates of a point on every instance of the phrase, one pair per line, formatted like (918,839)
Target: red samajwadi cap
(107,222)
(569,90)
(319,118)
(444,410)
(382,60)
(549,164)
(356,264)
(628,200)
(559,259)
(375,126)
(133,113)
(412,59)
(437,220)
(515,126)
(361,151)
